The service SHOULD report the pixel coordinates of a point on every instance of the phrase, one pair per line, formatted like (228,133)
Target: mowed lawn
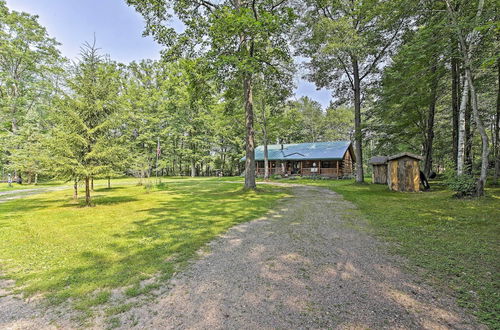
(453,243)
(51,245)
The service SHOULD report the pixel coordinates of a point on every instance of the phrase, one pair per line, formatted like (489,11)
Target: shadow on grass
(106,189)
(10,209)
(100,200)
(156,241)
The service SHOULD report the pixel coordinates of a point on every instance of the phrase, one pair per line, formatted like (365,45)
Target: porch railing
(332,172)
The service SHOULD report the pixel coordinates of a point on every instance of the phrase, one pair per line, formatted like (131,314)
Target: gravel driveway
(8,195)
(310,264)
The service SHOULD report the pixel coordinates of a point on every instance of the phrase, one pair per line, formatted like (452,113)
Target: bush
(148,186)
(276,176)
(161,186)
(316,177)
(463,185)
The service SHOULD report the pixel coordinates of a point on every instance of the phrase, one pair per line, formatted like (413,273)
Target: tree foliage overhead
(240,38)
(420,76)
(347,43)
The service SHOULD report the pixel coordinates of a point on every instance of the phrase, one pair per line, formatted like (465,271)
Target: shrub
(276,176)
(316,177)
(148,186)
(463,185)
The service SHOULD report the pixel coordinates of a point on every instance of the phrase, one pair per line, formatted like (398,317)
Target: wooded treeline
(420,76)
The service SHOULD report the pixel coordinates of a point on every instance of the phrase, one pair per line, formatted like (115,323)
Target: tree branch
(344,66)
(379,56)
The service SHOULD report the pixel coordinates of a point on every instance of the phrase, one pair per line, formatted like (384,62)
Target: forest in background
(419,76)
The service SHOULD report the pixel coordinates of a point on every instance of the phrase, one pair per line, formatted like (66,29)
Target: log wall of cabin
(347,164)
(330,168)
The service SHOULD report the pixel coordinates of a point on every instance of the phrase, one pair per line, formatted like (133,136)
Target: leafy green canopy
(30,66)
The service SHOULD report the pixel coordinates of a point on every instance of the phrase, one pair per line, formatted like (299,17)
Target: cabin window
(326,164)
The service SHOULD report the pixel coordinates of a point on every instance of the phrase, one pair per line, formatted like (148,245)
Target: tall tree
(497,128)
(87,120)
(347,42)
(242,37)
(338,123)
(467,29)
(407,107)
(30,65)
(272,92)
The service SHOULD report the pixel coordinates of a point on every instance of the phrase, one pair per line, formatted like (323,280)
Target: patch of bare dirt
(307,264)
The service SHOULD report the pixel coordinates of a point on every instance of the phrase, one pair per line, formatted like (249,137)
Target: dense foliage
(424,81)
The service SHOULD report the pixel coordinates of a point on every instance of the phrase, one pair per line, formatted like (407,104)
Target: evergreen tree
(87,121)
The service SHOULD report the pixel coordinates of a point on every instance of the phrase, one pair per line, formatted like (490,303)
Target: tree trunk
(467,51)
(430,123)
(109,182)
(469,136)
(455,96)
(484,137)
(223,168)
(358,137)
(461,129)
(266,160)
(88,201)
(497,132)
(14,108)
(264,135)
(193,168)
(250,139)
(92,183)
(36,179)
(75,189)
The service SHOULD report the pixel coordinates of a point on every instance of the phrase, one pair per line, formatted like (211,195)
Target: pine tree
(86,135)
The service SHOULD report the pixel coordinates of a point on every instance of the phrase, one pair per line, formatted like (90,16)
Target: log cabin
(329,159)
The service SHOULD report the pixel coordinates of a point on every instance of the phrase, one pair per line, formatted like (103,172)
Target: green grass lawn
(51,245)
(104,182)
(453,243)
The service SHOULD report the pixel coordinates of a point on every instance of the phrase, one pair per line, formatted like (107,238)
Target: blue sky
(118,30)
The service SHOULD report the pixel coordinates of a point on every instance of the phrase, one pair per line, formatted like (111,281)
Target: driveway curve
(309,264)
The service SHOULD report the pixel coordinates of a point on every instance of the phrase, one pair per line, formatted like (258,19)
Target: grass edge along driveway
(452,243)
(49,245)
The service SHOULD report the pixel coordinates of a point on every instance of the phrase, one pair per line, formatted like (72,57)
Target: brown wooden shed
(403,172)
(379,167)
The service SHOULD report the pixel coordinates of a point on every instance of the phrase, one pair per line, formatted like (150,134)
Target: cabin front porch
(326,168)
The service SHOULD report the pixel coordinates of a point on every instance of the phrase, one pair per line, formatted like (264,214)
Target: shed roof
(334,150)
(378,160)
(405,154)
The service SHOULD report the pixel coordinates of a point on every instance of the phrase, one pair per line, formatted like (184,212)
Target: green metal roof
(334,150)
